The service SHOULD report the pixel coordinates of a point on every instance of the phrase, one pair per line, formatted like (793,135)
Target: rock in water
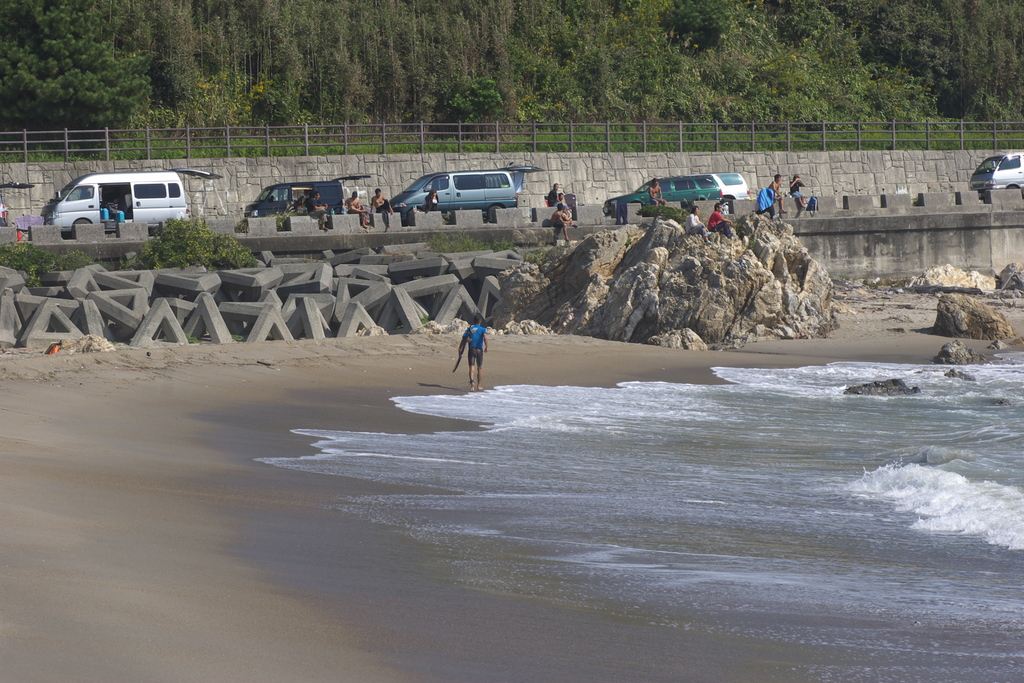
(889,387)
(958,353)
(958,315)
(959,374)
(648,285)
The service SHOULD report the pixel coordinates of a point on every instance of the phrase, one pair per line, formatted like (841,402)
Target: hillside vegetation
(95,63)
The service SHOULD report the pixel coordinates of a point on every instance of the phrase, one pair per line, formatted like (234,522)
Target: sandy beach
(142,542)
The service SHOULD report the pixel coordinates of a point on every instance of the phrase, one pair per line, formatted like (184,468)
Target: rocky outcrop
(958,353)
(650,285)
(949,276)
(960,374)
(958,315)
(888,387)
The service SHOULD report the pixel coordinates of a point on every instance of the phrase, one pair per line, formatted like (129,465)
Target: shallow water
(886,533)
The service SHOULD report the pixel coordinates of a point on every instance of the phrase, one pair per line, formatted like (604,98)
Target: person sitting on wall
(431,203)
(718,223)
(552,198)
(797,195)
(776,186)
(381,205)
(353,205)
(561,219)
(654,192)
(317,209)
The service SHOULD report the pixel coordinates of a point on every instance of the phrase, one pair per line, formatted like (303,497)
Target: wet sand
(142,542)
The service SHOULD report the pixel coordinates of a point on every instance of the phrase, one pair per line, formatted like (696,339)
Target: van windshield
(418,183)
(988,166)
(644,187)
(63,192)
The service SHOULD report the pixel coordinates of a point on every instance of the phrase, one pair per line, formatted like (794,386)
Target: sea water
(889,530)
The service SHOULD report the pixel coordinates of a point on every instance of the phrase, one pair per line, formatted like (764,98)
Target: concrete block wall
(592,177)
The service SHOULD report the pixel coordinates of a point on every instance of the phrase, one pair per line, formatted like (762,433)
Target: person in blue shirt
(476,337)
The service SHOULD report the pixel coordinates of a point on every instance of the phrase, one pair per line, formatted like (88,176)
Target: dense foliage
(182,243)
(35,261)
(239,62)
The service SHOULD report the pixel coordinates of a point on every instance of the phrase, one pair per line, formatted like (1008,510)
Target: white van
(142,196)
(999,172)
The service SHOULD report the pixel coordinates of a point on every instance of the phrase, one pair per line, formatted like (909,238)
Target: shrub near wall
(182,243)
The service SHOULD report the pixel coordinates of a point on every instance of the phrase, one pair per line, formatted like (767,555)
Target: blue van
(461,190)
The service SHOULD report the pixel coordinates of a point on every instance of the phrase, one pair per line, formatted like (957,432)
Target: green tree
(58,67)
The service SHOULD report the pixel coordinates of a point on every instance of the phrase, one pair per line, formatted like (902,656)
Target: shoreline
(143,542)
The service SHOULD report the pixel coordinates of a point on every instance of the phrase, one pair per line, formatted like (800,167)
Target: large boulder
(639,285)
(1012,276)
(958,315)
(888,387)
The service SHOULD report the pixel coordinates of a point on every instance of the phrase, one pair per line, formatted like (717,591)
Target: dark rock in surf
(889,387)
(958,374)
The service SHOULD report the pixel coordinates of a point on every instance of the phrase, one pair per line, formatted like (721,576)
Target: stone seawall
(593,177)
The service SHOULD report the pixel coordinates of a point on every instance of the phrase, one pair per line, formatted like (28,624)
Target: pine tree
(58,68)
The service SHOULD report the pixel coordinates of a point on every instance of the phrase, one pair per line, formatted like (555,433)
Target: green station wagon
(684,188)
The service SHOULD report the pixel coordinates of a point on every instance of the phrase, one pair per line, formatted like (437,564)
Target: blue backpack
(812,204)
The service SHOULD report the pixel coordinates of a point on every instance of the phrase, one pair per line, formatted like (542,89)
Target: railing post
(188,142)
(344,139)
(572,145)
(383,138)
(961,135)
(423,141)
(497,139)
(227,140)
(858,137)
(266,131)
(608,136)
(894,134)
(534,136)
(305,138)
(753,141)
(927,135)
(717,135)
(24,142)
(149,146)
(67,152)
(106,141)
(789,146)
(460,137)
(824,138)
(679,123)
(643,135)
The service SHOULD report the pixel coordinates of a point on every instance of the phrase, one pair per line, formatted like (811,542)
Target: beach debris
(372,331)
(434,327)
(632,284)
(960,374)
(951,276)
(888,387)
(958,315)
(1012,277)
(90,343)
(958,353)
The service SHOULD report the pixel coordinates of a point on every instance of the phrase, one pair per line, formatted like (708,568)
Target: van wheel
(1012,187)
(83,221)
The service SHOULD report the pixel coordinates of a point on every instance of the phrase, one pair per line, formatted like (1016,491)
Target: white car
(734,187)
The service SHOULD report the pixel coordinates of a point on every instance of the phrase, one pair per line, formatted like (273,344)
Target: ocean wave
(949,502)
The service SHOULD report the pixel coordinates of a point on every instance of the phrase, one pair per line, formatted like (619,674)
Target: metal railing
(421,138)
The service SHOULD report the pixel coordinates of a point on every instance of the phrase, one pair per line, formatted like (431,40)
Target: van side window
(684,184)
(439,183)
(80,193)
(496,180)
(473,181)
(150,191)
(174,190)
(1009,163)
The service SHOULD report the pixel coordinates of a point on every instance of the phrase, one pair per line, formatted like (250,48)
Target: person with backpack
(476,338)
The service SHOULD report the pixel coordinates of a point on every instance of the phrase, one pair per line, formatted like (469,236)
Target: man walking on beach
(476,337)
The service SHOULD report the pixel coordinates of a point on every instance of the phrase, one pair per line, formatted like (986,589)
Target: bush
(73,260)
(664,211)
(445,242)
(28,258)
(182,243)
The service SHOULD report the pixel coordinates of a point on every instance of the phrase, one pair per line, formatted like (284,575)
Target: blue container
(104,214)
(120,216)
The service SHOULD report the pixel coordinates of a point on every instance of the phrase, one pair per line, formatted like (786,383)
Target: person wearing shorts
(476,337)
